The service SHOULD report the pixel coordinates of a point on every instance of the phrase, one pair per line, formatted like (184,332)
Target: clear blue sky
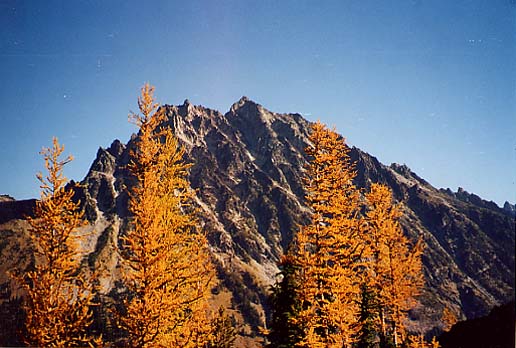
(431,84)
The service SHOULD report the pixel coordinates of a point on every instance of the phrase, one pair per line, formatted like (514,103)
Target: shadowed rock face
(11,209)
(247,171)
(469,257)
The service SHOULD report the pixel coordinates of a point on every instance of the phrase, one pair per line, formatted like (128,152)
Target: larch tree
(448,318)
(394,268)
(328,250)
(58,296)
(168,271)
(418,341)
(223,332)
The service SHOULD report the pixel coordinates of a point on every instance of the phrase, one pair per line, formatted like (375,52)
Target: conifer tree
(284,332)
(366,336)
(448,319)
(418,341)
(168,269)
(328,248)
(223,332)
(395,267)
(58,297)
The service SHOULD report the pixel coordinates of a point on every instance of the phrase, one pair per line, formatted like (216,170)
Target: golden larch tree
(223,331)
(167,265)
(448,318)
(395,273)
(327,250)
(418,341)
(58,296)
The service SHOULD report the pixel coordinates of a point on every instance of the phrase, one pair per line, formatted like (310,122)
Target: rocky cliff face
(469,257)
(247,170)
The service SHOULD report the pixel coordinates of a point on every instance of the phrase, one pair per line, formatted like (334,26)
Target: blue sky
(431,84)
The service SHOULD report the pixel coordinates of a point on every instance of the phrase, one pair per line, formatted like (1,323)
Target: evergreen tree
(367,334)
(58,298)
(341,249)
(167,266)
(328,249)
(284,332)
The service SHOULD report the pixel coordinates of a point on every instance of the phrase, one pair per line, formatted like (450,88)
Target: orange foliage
(168,269)
(448,318)
(58,298)
(419,342)
(328,250)
(395,268)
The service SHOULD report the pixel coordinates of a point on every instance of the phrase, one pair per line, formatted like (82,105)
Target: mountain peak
(242,102)
(247,176)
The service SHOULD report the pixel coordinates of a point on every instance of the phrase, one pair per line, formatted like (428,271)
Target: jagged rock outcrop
(247,171)
(509,208)
(469,256)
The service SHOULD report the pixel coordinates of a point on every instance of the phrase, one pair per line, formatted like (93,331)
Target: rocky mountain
(247,171)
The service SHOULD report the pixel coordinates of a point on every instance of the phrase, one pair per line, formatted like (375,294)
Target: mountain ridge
(247,170)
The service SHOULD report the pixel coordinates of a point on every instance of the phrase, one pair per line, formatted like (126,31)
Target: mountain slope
(248,169)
